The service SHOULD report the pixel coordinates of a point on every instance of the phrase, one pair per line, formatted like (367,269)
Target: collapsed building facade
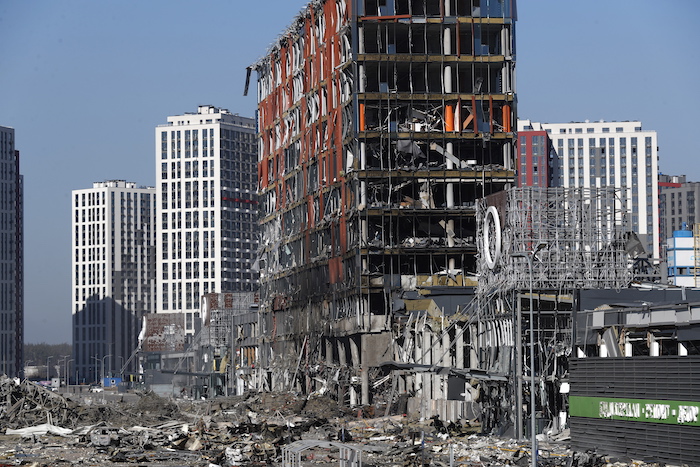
(220,358)
(381,124)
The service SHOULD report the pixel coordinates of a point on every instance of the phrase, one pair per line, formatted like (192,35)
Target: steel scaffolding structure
(583,232)
(537,247)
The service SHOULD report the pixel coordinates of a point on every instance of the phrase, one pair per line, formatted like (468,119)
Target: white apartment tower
(611,154)
(113,274)
(206,166)
(11,257)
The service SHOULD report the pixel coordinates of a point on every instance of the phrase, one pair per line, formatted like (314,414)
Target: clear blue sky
(84,83)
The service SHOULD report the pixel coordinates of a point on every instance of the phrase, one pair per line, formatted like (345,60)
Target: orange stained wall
(322,55)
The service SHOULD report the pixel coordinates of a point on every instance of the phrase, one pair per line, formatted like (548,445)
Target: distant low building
(679,201)
(162,353)
(221,358)
(538,162)
(32,372)
(681,250)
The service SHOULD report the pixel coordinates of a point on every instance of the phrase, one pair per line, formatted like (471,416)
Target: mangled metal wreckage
(539,249)
(461,353)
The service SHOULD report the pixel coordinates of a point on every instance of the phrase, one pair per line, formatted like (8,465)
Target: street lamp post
(533,425)
(97,362)
(48,377)
(103,368)
(121,366)
(61,360)
(66,371)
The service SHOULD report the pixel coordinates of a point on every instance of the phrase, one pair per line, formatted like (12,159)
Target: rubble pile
(25,402)
(41,428)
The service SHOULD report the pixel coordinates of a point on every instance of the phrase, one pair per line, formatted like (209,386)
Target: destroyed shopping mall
(409,291)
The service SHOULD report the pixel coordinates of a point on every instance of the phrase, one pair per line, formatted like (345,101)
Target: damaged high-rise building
(381,123)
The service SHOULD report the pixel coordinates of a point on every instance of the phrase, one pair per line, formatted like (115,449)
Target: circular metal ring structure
(492,246)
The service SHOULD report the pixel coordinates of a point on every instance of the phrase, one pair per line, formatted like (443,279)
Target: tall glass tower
(11,257)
